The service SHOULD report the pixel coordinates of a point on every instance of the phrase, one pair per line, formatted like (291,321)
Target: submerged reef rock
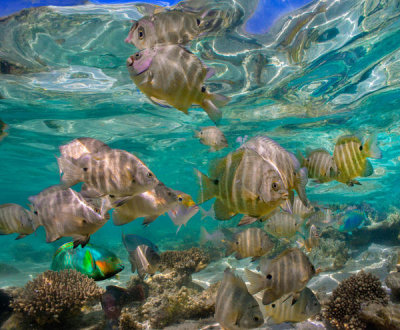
(170,301)
(393,283)
(54,297)
(5,308)
(330,254)
(344,306)
(187,261)
(381,317)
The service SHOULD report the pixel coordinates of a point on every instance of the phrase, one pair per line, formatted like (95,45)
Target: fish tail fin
(302,179)
(208,188)
(71,172)
(372,148)
(204,235)
(205,213)
(256,280)
(212,103)
(300,157)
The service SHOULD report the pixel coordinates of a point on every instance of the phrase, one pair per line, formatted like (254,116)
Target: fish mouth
(130,61)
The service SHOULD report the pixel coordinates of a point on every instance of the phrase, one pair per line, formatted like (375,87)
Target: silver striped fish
(300,209)
(242,182)
(213,137)
(150,205)
(235,307)
(283,225)
(286,164)
(282,310)
(80,146)
(171,75)
(65,213)
(252,242)
(145,260)
(350,156)
(289,272)
(110,172)
(169,27)
(15,219)
(320,165)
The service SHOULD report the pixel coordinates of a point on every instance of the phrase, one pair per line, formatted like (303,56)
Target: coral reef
(393,283)
(169,302)
(343,308)
(54,297)
(381,317)
(5,309)
(331,254)
(187,261)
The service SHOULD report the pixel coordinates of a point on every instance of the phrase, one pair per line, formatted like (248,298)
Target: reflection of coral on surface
(55,296)
(344,307)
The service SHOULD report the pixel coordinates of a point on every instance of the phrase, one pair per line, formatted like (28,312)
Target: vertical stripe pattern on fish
(252,242)
(15,219)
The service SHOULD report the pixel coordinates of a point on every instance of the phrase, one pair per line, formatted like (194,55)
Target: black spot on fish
(273,305)
(36,212)
(85,169)
(255,318)
(149,174)
(216,181)
(361,148)
(112,196)
(203,89)
(198,21)
(269,276)
(133,181)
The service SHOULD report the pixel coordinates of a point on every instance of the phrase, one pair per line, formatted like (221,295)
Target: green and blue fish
(93,261)
(352,221)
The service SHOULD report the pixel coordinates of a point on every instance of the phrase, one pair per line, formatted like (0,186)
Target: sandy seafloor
(377,259)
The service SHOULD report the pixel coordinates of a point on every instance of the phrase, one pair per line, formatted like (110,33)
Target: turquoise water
(325,70)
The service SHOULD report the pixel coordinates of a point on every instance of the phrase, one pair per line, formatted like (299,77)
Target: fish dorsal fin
(88,261)
(346,139)
(232,160)
(63,247)
(319,150)
(233,279)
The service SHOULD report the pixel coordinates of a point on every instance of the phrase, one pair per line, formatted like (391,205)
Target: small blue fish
(351,221)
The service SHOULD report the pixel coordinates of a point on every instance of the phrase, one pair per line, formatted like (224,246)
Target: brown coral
(187,261)
(54,297)
(343,308)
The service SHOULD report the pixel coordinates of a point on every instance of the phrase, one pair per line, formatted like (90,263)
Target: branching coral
(55,296)
(344,307)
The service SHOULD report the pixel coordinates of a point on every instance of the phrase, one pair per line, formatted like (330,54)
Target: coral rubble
(187,261)
(381,317)
(343,309)
(54,297)
(331,254)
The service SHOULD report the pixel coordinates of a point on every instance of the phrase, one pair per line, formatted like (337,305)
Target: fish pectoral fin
(249,195)
(295,297)
(221,211)
(148,220)
(161,103)
(268,297)
(368,170)
(51,237)
(82,240)
(246,220)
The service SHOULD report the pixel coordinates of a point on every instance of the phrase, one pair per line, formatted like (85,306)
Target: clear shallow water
(322,71)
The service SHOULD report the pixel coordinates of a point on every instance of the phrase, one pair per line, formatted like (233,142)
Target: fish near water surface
(15,219)
(350,155)
(282,310)
(65,213)
(213,137)
(171,75)
(114,172)
(235,307)
(252,242)
(320,165)
(150,205)
(3,127)
(94,261)
(287,273)
(293,176)
(242,182)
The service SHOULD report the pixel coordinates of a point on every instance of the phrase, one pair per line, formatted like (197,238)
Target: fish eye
(275,186)
(138,55)
(35,212)
(141,33)
(85,169)
(180,199)
(169,193)
(237,242)
(255,318)
(361,148)
(203,89)
(197,21)
(149,175)
(269,276)
(112,196)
